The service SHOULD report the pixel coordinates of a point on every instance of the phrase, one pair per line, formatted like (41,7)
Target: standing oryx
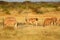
(32,21)
(49,21)
(10,22)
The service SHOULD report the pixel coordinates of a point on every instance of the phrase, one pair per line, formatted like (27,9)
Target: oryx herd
(12,22)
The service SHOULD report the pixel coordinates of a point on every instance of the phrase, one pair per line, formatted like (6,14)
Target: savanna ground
(31,33)
(28,32)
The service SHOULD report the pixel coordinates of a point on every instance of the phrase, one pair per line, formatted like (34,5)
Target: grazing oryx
(49,21)
(32,21)
(10,22)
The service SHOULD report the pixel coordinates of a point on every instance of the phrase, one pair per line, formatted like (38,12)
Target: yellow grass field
(29,32)
(25,10)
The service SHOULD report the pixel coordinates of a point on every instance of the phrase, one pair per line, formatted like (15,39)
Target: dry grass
(31,33)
